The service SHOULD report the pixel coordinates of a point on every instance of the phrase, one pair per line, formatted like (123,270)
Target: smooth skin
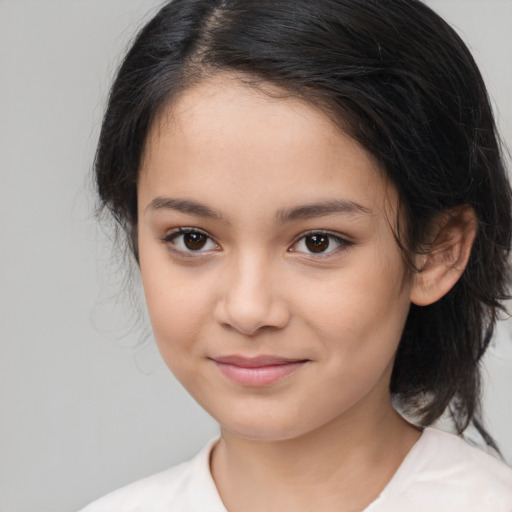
(266,231)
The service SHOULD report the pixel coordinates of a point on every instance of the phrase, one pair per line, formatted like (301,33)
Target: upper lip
(256,362)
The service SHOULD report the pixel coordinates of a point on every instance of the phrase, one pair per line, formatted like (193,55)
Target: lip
(257,371)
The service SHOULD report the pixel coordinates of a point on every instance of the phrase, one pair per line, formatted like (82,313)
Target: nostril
(250,318)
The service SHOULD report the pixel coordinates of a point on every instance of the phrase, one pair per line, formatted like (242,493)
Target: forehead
(219,107)
(225,134)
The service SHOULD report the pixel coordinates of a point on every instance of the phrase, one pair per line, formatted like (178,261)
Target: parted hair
(398,79)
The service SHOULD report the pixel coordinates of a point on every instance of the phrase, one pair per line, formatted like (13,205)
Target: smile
(258,371)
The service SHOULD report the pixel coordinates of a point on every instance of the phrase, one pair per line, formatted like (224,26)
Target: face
(273,281)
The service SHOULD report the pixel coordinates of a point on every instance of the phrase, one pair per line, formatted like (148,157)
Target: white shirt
(441,473)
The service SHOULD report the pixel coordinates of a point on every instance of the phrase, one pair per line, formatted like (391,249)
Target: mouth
(257,371)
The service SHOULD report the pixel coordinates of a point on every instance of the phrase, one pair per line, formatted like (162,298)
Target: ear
(445,256)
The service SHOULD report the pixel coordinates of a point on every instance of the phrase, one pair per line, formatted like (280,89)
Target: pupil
(194,241)
(317,243)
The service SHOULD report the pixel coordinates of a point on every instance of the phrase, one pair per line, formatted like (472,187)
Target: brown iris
(317,243)
(194,241)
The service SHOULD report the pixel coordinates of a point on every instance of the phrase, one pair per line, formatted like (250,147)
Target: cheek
(177,307)
(361,310)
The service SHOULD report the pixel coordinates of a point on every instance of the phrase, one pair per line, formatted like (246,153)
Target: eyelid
(183,230)
(344,242)
(174,233)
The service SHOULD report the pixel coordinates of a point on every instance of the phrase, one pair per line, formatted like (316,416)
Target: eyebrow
(321,209)
(307,211)
(187,206)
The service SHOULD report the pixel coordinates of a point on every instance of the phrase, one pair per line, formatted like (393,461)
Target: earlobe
(445,256)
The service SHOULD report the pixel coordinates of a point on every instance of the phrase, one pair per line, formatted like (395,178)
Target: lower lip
(258,376)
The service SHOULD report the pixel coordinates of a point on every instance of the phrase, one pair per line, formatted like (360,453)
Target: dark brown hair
(400,81)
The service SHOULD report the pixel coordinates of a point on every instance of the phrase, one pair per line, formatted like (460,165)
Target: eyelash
(169,240)
(343,243)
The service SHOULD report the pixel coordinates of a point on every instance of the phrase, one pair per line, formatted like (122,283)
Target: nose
(252,298)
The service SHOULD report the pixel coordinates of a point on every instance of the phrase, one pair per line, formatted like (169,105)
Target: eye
(319,242)
(190,240)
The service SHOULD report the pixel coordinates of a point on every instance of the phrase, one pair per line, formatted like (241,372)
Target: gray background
(86,404)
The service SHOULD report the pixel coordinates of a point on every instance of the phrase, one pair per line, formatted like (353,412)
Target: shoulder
(453,456)
(443,472)
(148,492)
(186,487)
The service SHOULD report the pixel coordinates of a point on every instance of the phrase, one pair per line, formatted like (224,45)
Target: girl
(316,199)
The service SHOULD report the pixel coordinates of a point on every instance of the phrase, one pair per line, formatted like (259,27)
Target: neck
(349,460)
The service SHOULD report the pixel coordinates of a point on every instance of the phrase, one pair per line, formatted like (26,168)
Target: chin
(264,427)
(266,434)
